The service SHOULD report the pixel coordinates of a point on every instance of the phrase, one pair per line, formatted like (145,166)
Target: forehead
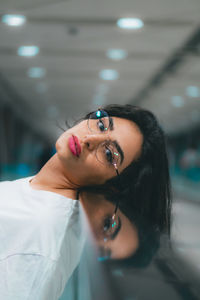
(127,241)
(125,124)
(129,137)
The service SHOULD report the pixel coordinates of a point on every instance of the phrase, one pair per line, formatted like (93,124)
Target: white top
(40,241)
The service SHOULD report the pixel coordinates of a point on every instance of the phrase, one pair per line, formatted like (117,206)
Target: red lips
(74,146)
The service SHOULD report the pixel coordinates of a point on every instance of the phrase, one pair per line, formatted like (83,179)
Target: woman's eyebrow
(113,236)
(110,123)
(119,149)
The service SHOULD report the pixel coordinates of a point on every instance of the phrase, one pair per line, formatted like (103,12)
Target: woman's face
(76,149)
(124,241)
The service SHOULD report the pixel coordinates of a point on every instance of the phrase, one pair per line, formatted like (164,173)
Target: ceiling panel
(74,37)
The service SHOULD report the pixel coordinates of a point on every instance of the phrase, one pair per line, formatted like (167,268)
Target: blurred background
(61,59)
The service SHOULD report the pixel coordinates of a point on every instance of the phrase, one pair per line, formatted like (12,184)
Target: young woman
(117,150)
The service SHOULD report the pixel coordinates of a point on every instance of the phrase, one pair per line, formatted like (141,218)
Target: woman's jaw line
(53,177)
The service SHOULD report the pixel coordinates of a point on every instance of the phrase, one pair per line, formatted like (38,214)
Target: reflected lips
(74,146)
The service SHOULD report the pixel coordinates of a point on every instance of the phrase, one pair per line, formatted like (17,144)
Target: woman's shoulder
(11,185)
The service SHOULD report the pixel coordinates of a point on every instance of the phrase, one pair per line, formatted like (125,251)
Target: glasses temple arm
(117,205)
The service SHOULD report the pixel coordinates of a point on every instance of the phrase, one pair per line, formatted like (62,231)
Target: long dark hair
(144,184)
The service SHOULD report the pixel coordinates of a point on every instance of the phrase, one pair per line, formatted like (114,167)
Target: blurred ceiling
(160,70)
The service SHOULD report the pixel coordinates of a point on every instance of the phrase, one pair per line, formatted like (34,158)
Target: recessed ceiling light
(193,91)
(130,23)
(13,20)
(108,74)
(177,101)
(36,72)
(116,54)
(28,51)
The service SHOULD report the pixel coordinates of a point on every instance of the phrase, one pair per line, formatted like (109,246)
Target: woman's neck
(52,177)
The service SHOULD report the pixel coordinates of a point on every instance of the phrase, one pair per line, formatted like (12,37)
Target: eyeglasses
(99,122)
(106,153)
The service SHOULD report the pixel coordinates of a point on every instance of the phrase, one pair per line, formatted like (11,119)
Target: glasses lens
(98,121)
(107,154)
(110,226)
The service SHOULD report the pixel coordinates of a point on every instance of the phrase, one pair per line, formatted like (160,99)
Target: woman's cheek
(61,143)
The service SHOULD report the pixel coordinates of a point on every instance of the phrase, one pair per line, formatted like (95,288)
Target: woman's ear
(114,189)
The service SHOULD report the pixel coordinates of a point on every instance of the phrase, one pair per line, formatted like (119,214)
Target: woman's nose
(93,140)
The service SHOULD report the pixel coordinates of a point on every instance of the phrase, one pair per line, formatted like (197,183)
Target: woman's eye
(109,155)
(100,125)
(107,224)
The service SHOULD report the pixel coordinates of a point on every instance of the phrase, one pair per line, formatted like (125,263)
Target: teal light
(98,113)
(114,224)
(23,170)
(103,258)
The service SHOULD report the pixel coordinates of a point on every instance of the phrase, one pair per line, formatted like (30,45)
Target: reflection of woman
(123,242)
(119,149)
